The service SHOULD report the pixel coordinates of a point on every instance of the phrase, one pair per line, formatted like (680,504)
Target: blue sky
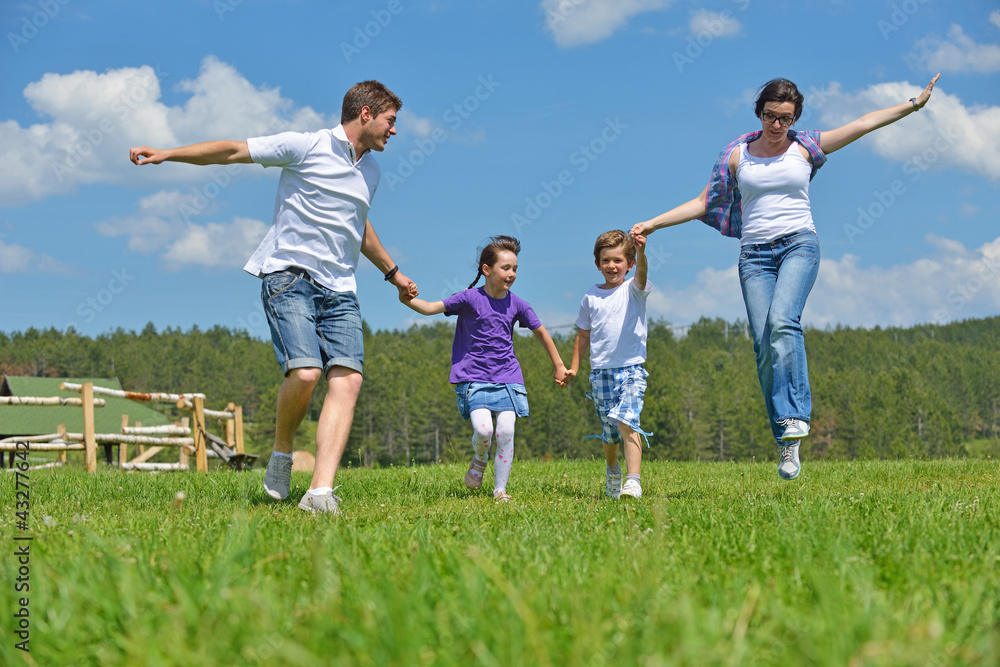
(551,120)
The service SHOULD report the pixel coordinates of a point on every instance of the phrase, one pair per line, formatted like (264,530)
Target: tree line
(924,391)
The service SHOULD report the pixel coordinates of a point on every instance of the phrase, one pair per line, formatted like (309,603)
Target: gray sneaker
(795,429)
(788,461)
(612,484)
(327,502)
(278,478)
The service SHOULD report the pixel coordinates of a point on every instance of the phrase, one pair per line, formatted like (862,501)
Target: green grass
(861,563)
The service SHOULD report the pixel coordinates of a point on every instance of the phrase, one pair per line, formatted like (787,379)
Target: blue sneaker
(613,485)
(278,478)
(788,461)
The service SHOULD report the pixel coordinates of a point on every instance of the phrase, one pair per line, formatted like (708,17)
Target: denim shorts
(618,395)
(494,396)
(311,326)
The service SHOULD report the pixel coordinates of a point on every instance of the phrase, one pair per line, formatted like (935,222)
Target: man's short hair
(371,94)
(614,239)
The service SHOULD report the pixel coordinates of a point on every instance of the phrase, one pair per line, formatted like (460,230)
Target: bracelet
(391,273)
(916,107)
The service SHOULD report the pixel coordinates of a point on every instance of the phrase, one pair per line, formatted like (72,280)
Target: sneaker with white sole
(613,485)
(278,478)
(327,502)
(795,429)
(788,461)
(632,489)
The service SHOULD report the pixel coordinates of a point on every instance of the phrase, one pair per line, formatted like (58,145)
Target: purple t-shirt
(483,350)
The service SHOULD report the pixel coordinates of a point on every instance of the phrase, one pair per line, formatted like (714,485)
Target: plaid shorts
(618,394)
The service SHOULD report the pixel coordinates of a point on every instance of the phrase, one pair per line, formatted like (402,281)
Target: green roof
(40,420)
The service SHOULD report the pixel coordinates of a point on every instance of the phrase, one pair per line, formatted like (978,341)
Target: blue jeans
(311,326)
(776,278)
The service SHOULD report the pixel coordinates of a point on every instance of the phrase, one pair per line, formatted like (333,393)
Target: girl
(484,370)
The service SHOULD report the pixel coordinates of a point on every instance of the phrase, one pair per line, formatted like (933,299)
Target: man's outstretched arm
(207,152)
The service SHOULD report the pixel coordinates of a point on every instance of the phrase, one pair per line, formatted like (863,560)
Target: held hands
(640,230)
(407,288)
(559,375)
(568,377)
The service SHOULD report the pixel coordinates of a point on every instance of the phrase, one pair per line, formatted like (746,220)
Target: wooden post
(61,430)
(231,433)
(239,429)
(184,457)
(122,447)
(201,457)
(89,443)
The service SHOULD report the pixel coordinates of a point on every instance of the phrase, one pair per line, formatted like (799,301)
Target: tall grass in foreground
(856,563)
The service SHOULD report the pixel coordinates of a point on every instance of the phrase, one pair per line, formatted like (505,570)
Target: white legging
(482,425)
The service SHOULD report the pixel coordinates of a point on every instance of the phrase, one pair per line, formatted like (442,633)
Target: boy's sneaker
(795,429)
(788,461)
(326,502)
(632,489)
(613,485)
(278,478)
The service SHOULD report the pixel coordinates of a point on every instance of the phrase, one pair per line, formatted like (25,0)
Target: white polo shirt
(321,206)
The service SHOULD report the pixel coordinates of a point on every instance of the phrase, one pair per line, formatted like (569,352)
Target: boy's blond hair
(614,239)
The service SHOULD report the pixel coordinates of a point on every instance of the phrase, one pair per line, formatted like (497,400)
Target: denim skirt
(494,396)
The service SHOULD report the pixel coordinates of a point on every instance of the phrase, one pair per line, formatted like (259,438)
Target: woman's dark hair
(779,90)
(488,253)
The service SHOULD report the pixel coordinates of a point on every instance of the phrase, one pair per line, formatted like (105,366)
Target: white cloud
(944,133)
(218,245)
(19,259)
(714,24)
(95,118)
(957,53)
(952,283)
(412,124)
(162,225)
(995,17)
(581,22)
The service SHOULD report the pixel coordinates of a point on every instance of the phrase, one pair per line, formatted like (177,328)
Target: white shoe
(788,461)
(321,503)
(795,429)
(632,489)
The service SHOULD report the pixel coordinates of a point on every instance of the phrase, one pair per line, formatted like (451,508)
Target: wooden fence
(189,439)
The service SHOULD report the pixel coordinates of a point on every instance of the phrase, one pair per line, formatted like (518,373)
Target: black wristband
(391,273)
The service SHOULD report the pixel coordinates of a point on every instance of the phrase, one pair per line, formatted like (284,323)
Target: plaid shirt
(723,202)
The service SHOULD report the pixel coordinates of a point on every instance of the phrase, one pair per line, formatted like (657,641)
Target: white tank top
(774,195)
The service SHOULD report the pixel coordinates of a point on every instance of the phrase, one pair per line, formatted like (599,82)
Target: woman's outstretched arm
(834,140)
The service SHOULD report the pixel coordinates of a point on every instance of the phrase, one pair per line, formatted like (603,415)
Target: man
(307,261)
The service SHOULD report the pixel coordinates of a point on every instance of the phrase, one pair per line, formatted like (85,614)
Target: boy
(612,323)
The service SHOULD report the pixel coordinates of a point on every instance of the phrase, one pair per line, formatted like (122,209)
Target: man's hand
(407,288)
(151,155)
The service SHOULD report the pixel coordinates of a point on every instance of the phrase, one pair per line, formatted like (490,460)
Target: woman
(759,193)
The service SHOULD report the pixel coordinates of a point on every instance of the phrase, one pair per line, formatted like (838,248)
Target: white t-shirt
(616,319)
(774,195)
(321,206)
